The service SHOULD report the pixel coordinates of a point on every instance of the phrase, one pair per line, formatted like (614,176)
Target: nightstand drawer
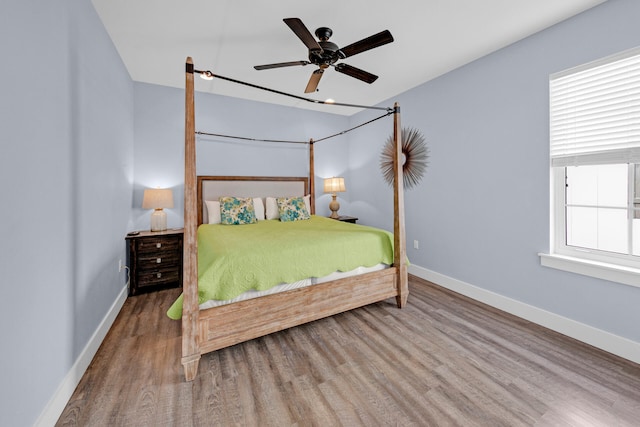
(157,245)
(159,260)
(161,276)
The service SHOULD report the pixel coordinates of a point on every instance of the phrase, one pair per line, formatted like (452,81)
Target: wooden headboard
(213,187)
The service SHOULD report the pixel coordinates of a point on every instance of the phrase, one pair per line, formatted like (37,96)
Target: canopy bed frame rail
(214,328)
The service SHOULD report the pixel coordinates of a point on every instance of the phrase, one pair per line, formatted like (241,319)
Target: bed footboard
(231,324)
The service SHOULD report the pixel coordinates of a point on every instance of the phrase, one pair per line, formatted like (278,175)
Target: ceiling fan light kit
(325,54)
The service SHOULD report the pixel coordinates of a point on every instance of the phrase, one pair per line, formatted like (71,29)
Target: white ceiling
(229,37)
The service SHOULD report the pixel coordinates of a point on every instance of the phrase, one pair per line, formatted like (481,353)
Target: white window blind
(595,112)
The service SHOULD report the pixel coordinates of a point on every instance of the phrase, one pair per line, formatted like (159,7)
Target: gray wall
(481,214)
(66,170)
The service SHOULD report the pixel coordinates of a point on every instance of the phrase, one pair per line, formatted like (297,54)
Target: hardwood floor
(444,360)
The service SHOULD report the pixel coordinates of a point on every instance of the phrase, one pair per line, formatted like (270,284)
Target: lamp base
(158,220)
(334,206)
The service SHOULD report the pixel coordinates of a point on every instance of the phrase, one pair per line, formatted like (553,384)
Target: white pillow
(258,207)
(213,208)
(307,202)
(272,208)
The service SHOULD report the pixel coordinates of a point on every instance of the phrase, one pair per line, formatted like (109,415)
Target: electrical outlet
(416,244)
(119,265)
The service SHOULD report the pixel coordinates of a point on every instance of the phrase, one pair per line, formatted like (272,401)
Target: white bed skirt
(289,286)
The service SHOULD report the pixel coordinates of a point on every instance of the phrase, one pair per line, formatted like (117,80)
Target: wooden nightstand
(155,260)
(344,218)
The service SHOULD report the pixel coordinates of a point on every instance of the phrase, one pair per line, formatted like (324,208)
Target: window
(595,168)
(599,215)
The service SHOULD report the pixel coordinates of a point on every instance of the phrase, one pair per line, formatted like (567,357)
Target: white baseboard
(59,400)
(609,342)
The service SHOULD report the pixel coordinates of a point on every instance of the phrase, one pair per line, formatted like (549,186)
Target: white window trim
(601,270)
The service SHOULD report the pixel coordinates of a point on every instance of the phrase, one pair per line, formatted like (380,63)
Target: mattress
(295,285)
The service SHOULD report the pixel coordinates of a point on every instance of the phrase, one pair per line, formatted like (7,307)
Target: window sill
(601,270)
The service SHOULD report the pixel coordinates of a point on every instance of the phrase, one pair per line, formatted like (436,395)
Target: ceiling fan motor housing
(329,55)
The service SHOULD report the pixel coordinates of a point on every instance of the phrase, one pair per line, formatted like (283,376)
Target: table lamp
(158,199)
(334,185)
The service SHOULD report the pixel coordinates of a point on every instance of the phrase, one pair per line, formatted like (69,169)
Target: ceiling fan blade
(356,72)
(370,42)
(314,80)
(280,64)
(303,33)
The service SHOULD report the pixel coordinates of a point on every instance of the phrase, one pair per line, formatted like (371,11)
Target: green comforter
(233,259)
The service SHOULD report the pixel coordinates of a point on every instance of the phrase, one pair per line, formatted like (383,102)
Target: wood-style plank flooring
(444,360)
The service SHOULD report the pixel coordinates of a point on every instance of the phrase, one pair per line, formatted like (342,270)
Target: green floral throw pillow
(237,210)
(292,209)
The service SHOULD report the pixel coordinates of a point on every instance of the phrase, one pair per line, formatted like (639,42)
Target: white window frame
(620,268)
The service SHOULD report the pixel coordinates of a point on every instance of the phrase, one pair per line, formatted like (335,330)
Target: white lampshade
(158,199)
(334,185)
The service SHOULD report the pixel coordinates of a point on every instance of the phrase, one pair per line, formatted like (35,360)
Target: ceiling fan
(324,53)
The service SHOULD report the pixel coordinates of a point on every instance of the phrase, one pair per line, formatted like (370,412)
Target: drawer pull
(158,260)
(158,245)
(159,275)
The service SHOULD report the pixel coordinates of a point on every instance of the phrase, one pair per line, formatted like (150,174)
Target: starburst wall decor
(415,158)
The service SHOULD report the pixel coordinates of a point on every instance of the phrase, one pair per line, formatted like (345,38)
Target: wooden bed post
(190,309)
(312,179)
(400,240)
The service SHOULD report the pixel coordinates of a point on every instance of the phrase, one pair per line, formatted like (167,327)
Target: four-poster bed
(206,330)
